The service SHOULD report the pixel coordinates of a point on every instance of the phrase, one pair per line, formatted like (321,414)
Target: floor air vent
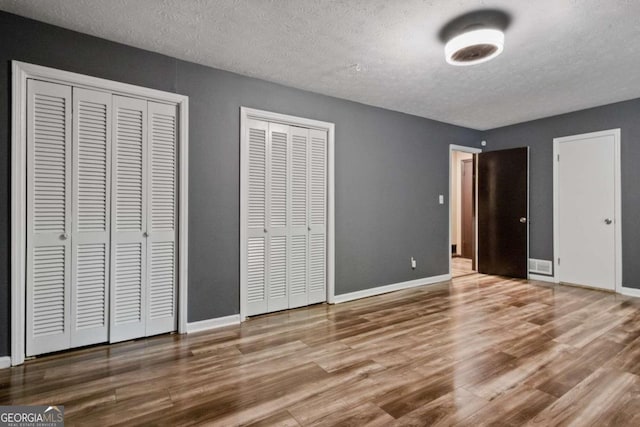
(540,266)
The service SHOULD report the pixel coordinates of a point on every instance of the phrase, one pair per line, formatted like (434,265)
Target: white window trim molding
(22,71)
(250,113)
(617,205)
(464,149)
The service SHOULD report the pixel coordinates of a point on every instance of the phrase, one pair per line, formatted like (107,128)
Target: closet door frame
(247,114)
(21,72)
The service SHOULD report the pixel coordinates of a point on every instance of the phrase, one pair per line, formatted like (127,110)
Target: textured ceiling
(560,55)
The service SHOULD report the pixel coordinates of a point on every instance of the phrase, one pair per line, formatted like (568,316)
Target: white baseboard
(630,292)
(390,288)
(540,278)
(218,322)
(5,362)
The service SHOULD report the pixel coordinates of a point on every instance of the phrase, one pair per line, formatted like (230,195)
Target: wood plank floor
(460,267)
(480,350)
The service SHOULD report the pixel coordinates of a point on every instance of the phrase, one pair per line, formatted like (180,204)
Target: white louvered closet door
(48,217)
(256,217)
(162,219)
(317,216)
(299,213)
(128,219)
(91,217)
(277,217)
(286,187)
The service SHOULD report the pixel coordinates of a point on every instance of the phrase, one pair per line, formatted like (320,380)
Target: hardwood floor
(480,350)
(460,267)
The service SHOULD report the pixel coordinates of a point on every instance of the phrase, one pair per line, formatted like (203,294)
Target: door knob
(265,230)
(523,220)
(608,221)
(145,234)
(64,236)
(308,228)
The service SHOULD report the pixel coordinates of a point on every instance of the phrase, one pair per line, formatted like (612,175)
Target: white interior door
(129,220)
(48,217)
(162,219)
(587,211)
(91,217)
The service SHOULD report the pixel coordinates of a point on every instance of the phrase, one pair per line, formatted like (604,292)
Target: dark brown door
(466,198)
(503,194)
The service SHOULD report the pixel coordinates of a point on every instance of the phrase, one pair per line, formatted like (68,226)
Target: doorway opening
(462,211)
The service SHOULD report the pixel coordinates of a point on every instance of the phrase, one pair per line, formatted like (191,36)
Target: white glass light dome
(474,47)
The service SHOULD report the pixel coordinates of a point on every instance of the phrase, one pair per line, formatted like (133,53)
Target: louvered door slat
(277,285)
(49,291)
(255,273)
(131,133)
(317,215)
(298,268)
(91,216)
(128,287)
(278,179)
(48,217)
(299,202)
(161,240)
(128,219)
(317,177)
(257,179)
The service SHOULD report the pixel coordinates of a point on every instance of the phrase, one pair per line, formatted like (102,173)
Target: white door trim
(22,71)
(250,113)
(617,204)
(472,150)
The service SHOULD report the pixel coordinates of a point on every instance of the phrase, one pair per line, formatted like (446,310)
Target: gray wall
(539,136)
(390,167)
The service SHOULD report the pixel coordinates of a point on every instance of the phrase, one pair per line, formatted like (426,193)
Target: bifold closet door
(317,173)
(128,219)
(277,217)
(299,248)
(307,255)
(256,245)
(90,238)
(162,219)
(69,131)
(48,217)
(286,216)
(101,217)
(144,202)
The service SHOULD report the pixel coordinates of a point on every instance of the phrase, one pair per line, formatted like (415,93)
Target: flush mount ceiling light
(474,37)
(474,47)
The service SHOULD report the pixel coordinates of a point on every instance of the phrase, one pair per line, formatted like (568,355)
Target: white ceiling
(560,55)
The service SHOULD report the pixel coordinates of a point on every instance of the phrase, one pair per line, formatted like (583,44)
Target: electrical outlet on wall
(413,263)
